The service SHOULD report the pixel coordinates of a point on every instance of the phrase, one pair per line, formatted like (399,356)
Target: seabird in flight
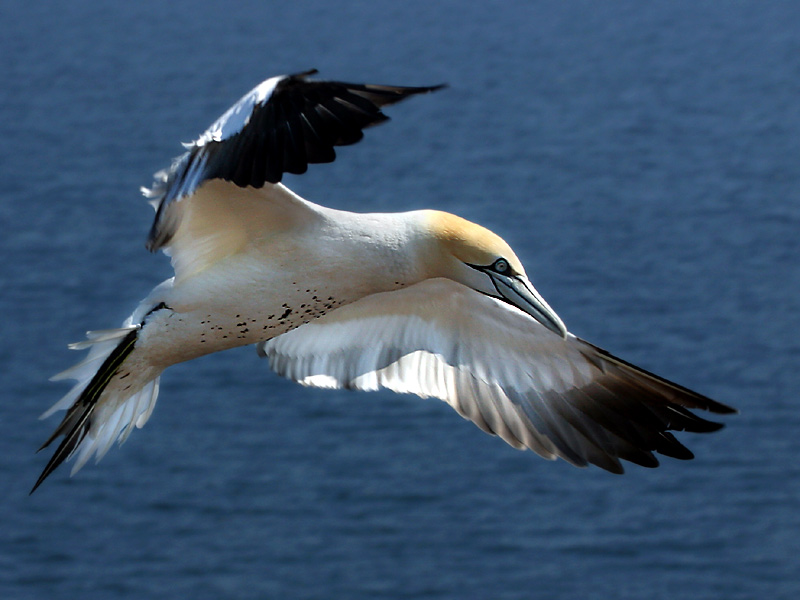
(421,302)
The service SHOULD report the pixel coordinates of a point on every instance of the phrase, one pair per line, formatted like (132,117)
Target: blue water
(642,158)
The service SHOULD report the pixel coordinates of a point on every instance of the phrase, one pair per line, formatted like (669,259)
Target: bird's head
(480,259)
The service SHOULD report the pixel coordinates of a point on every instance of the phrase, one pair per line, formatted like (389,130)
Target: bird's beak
(517,290)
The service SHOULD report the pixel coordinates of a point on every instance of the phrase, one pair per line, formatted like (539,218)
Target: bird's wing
(281,126)
(500,369)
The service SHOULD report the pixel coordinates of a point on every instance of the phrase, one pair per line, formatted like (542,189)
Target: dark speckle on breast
(222,331)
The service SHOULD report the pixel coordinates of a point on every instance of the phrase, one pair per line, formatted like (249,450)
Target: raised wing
(498,368)
(281,126)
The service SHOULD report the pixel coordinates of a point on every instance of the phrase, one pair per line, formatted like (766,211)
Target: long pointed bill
(518,291)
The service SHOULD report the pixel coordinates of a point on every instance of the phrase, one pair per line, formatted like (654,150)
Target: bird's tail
(108,399)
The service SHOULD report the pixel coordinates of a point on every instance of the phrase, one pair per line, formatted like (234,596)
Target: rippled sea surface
(641,158)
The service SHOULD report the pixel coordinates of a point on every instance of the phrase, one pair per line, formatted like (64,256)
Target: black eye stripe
(501,266)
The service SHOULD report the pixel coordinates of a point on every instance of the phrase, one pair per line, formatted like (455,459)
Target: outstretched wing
(281,126)
(500,369)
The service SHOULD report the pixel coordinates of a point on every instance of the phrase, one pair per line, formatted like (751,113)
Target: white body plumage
(420,302)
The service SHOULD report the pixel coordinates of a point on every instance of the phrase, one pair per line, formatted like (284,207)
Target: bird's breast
(255,296)
(236,316)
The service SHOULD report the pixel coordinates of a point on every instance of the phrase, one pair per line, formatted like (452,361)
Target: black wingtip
(723,409)
(384,95)
(304,74)
(690,398)
(404,90)
(436,88)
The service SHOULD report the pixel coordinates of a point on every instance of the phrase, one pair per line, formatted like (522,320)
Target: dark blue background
(642,159)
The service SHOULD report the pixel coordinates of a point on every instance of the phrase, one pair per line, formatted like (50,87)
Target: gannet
(421,302)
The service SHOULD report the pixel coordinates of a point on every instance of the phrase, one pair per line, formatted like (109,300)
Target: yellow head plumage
(469,242)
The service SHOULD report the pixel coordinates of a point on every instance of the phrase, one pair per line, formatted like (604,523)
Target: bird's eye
(501,266)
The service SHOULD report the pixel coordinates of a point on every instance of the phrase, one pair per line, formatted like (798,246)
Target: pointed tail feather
(90,425)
